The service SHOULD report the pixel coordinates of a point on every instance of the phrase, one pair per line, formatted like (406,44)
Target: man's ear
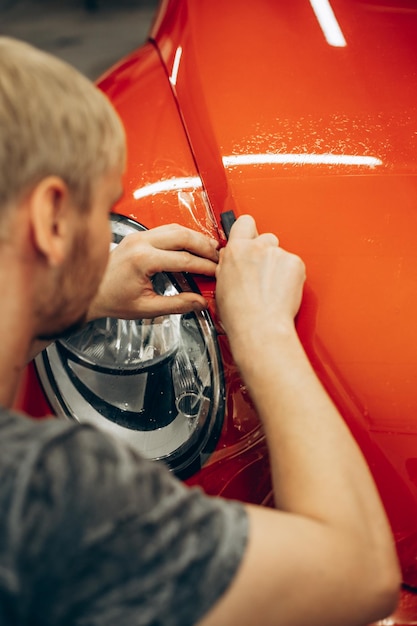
(50,212)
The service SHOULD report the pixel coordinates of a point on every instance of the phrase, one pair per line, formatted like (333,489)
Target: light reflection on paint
(194,182)
(176,66)
(170,184)
(301,159)
(328,23)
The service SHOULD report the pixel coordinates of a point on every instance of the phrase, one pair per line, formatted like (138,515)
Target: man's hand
(329,537)
(258,283)
(126,290)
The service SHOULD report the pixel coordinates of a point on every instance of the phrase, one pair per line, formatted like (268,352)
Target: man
(91,533)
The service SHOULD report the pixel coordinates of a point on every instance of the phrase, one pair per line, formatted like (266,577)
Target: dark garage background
(90,34)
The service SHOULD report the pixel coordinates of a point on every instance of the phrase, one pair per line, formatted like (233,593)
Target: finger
(181,261)
(176,237)
(170,305)
(243,228)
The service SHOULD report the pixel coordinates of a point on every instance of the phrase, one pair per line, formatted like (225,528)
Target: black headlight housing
(158,384)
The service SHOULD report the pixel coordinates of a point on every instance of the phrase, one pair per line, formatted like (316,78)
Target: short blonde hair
(53,121)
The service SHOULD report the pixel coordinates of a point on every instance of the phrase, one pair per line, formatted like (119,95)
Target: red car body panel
(266,82)
(247,107)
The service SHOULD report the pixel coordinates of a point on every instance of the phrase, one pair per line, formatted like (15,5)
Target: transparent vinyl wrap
(157,383)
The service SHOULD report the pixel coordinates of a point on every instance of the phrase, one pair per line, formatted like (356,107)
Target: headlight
(156,383)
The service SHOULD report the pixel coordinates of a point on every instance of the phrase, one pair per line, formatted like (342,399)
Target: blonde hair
(53,121)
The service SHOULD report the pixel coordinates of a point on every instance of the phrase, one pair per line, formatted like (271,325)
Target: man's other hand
(127,292)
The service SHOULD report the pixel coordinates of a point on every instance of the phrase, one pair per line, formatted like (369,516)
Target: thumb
(244,228)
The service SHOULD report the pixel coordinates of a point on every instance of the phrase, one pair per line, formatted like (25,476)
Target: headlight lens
(156,383)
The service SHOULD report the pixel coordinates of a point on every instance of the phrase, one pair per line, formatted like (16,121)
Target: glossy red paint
(324,147)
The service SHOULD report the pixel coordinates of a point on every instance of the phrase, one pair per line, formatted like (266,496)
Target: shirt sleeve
(109,538)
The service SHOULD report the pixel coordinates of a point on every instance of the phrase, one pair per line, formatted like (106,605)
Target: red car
(304,114)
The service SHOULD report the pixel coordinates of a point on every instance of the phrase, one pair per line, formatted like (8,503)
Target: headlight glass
(156,383)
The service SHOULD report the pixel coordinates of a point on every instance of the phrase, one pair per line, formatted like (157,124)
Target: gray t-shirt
(92,534)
